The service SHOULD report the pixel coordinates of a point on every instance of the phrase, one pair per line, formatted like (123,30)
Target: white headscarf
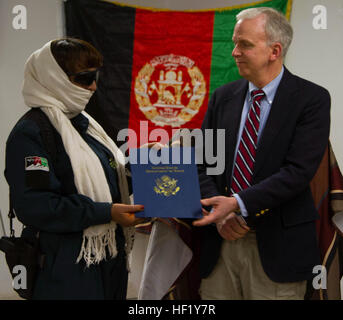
(46,86)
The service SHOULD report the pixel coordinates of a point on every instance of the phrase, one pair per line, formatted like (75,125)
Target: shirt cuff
(241,204)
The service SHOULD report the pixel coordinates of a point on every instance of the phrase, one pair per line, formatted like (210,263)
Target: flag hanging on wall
(160,66)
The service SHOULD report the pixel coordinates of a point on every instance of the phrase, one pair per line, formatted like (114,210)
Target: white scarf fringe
(93,249)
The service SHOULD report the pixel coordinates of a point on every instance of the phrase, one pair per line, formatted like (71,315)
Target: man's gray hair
(278,29)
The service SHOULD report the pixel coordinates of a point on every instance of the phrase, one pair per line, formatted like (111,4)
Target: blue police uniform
(45,198)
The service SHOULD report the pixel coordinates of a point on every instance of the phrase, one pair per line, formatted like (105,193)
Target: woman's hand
(153,145)
(124,214)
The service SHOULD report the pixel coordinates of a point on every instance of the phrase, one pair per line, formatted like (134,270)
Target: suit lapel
(234,106)
(278,115)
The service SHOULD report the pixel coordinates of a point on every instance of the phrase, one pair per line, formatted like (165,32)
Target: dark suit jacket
(279,201)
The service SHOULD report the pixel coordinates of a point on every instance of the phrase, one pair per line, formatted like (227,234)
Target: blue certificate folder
(166,182)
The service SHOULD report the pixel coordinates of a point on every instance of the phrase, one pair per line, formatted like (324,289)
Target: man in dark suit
(260,241)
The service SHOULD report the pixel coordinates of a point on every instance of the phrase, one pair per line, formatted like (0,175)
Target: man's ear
(276,51)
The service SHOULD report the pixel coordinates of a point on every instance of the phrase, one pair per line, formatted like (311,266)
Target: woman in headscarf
(72,186)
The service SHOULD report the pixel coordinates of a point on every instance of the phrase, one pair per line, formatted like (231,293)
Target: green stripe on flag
(223,66)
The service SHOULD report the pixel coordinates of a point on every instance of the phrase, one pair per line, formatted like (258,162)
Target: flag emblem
(36,163)
(170,90)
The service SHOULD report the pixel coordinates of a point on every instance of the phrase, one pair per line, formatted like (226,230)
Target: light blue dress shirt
(266,103)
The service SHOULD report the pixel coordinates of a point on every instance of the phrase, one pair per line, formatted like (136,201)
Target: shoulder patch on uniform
(36,163)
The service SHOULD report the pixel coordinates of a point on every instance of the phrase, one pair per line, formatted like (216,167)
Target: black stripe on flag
(110,28)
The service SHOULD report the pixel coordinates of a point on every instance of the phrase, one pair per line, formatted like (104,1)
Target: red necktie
(245,158)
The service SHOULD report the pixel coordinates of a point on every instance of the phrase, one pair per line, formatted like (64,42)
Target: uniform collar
(80,123)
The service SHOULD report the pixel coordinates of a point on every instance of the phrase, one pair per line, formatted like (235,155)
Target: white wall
(315,55)
(44,22)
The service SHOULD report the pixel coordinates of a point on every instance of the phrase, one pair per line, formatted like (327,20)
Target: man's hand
(221,207)
(233,227)
(124,214)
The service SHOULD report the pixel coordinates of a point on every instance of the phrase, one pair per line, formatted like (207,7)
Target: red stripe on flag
(171,70)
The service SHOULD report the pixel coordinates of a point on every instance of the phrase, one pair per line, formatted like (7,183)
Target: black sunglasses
(85,78)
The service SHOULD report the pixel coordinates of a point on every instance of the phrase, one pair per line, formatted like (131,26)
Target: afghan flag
(160,66)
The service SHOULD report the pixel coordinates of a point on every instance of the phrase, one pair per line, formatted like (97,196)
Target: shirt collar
(270,88)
